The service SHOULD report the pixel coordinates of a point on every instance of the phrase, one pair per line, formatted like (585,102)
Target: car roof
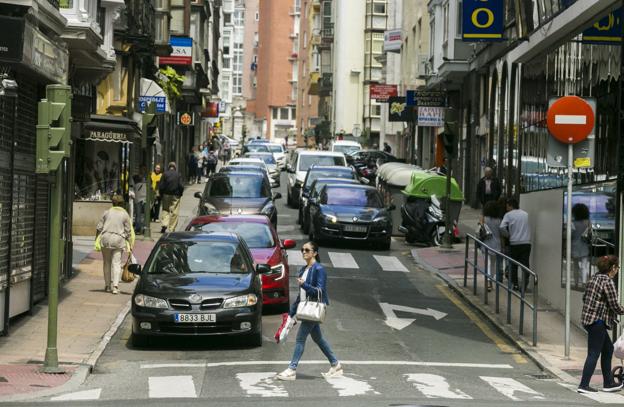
(257,153)
(336,180)
(194,236)
(247,160)
(330,167)
(321,153)
(200,220)
(242,169)
(351,186)
(346,143)
(239,173)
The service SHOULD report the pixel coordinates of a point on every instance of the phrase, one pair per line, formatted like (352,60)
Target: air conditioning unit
(424,66)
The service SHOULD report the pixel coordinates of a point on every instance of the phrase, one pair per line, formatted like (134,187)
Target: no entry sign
(570,119)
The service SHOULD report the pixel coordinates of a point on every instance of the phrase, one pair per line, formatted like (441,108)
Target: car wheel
(288,198)
(140,341)
(255,339)
(305,225)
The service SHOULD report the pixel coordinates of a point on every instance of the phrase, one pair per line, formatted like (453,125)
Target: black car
(313,194)
(255,148)
(238,193)
(197,283)
(351,212)
(321,171)
(364,156)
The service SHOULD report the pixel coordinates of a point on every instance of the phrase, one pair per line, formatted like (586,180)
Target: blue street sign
(607,31)
(483,20)
(161,103)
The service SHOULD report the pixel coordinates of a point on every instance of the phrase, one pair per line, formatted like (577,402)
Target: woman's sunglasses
(306,250)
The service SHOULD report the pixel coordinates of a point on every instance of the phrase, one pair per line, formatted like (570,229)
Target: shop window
(275,113)
(284,113)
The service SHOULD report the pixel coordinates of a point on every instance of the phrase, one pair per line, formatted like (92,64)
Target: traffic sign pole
(568,251)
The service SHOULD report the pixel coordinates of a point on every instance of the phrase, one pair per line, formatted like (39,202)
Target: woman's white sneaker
(288,374)
(334,371)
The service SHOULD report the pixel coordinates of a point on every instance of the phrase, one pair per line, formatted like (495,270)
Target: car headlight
(211,209)
(268,209)
(380,219)
(146,301)
(331,219)
(279,270)
(241,301)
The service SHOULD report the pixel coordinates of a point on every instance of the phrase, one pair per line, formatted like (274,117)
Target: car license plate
(355,228)
(195,318)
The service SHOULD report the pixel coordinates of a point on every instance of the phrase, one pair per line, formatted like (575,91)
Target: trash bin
(423,185)
(392,178)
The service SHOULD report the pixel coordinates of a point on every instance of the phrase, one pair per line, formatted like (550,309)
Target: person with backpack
(211,162)
(171,190)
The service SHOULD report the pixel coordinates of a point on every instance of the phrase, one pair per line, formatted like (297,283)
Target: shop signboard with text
(381,92)
(430,116)
(182,53)
(483,20)
(11,38)
(393,40)
(606,31)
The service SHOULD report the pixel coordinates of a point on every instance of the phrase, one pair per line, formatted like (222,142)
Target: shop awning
(114,129)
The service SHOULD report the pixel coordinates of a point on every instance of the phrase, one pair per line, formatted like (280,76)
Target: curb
(83,370)
(507,332)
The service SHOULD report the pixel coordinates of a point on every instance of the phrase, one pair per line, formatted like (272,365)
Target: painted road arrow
(399,323)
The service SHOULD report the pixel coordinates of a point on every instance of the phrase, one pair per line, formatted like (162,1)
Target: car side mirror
(289,244)
(135,269)
(263,269)
(198,195)
(364,181)
(391,207)
(277,195)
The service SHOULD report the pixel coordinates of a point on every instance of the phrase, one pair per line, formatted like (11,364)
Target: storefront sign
(607,31)
(44,56)
(160,101)
(11,38)
(431,116)
(393,40)
(212,110)
(182,53)
(185,119)
(399,111)
(381,93)
(98,135)
(425,98)
(483,20)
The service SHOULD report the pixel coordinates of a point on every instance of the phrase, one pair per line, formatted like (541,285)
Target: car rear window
(307,161)
(334,173)
(351,197)
(235,186)
(198,257)
(257,148)
(267,158)
(346,149)
(275,148)
(256,235)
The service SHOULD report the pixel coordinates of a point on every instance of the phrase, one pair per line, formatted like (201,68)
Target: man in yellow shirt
(156,176)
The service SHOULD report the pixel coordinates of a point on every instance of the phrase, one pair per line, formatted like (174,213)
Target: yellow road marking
(494,337)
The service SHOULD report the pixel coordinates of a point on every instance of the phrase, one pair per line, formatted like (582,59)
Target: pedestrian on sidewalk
(581,243)
(140,195)
(387,148)
(155,177)
(171,189)
(515,227)
(199,168)
(600,310)
(191,166)
(492,217)
(211,163)
(114,234)
(311,278)
(489,187)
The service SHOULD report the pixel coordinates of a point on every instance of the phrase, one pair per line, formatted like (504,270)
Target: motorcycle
(423,221)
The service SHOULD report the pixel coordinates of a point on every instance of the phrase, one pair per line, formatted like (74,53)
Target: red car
(265,246)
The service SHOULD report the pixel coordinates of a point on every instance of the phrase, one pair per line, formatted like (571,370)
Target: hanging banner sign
(399,111)
(607,31)
(483,20)
(431,116)
(182,53)
(393,40)
(425,98)
(381,92)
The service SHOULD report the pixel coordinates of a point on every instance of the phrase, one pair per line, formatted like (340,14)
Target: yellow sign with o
(475,17)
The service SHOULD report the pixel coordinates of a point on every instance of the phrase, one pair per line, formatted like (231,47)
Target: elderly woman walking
(600,310)
(114,234)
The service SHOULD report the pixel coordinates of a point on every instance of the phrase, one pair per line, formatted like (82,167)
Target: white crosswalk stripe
(348,386)
(342,260)
(390,263)
(509,387)
(435,387)
(93,394)
(600,397)
(295,258)
(261,384)
(171,387)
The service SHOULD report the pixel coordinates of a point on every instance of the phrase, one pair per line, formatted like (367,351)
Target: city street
(432,354)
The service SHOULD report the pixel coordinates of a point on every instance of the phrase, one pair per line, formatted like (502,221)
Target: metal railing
(524,273)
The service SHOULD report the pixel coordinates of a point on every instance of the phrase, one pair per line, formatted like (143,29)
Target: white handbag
(618,348)
(313,311)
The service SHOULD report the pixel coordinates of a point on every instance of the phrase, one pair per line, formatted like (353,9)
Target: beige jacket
(116,229)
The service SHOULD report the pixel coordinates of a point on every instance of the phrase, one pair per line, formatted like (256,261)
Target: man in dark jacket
(171,189)
(489,187)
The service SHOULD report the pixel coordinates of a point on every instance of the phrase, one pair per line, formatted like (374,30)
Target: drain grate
(541,376)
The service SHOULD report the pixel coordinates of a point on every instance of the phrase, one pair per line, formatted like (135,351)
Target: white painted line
(435,387)
(348,386)
(93,394)
(162,387)
(261,384)
(570,119)
(600,397)
(508,387)
(324,362)
(393,321)
(343,260)
(390,263)
(295,258)
(286,228)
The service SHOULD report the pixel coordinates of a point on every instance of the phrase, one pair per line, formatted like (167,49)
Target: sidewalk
(548,354)
(88,318)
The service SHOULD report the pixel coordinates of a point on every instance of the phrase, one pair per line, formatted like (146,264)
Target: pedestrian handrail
(501,258)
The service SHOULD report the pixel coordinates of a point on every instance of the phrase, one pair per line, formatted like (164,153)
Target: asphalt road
(441,356)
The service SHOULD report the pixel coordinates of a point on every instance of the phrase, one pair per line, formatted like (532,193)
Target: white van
(299,163)
(346,146)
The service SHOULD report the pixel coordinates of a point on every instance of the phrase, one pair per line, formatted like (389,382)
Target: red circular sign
(570,119)
(186,119)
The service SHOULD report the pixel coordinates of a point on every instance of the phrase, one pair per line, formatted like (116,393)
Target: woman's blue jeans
(314,329)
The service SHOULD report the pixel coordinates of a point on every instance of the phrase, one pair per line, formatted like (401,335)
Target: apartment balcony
(82,30)
(325,84)
(136,26)
(313,88)
(295,11)
(327,36)
(316,5)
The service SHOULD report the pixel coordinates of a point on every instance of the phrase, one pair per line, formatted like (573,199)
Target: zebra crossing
(160,383)
(345,260)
